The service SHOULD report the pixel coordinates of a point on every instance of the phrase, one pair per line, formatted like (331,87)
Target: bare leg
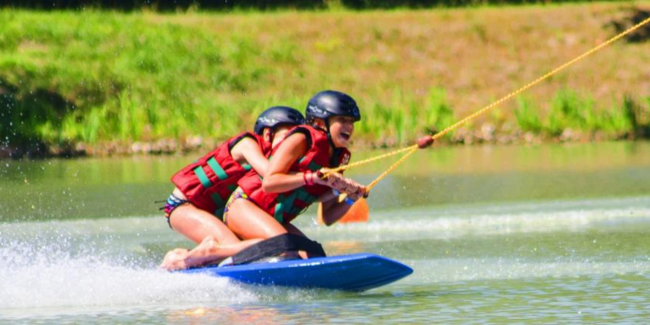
(248,221)
(197,224)
(208,251)
(215,240)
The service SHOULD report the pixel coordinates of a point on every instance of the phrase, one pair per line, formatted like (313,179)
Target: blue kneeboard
(357,272)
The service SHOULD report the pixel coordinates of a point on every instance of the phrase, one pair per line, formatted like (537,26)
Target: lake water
(539,234)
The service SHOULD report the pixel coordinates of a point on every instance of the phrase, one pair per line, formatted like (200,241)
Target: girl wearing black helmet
(294,177)
(196,205)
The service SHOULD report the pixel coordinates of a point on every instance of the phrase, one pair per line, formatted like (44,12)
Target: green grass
(141,81)
(102,77)
(528,116)
(569,110)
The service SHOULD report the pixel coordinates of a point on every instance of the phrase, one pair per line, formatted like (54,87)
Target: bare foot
(208,244)
(175,259)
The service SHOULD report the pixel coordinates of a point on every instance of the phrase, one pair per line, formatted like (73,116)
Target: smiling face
(341,129)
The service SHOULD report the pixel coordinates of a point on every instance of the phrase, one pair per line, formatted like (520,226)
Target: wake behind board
(357,272)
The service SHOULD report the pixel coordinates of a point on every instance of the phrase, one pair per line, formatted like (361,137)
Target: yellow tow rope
(412,149)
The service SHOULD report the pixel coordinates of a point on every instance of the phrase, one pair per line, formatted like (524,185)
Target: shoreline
(486,135)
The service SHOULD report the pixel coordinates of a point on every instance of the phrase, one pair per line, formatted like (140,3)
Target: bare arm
(278,179)
(333,210)
(248,151)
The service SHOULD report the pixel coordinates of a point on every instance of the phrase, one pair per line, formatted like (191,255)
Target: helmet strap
(329,135)
(271,134)
(334,159)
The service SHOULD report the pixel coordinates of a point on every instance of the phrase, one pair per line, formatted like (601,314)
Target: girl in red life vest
(195,207)
(264,209)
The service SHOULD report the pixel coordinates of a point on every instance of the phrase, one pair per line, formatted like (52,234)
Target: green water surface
(495,234)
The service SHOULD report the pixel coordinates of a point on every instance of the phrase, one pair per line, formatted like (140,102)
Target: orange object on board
(359,212)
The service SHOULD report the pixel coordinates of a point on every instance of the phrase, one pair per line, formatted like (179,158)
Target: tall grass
(569,110)
(527,116)
(399,121)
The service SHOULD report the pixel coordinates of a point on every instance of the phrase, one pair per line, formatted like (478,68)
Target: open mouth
(345,136)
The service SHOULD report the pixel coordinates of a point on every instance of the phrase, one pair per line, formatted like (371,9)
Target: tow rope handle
(422,143)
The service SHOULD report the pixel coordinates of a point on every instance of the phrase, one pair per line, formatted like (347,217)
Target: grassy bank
(103,80)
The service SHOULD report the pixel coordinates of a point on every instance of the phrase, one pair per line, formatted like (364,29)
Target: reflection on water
(109,188)
(550,234)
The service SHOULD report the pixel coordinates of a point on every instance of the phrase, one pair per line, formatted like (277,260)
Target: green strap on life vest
(216,168)
(220,202)
(277,214)
(286,203)
(216,198)
(200,173)
(219,213)
(304,196)
(312,165)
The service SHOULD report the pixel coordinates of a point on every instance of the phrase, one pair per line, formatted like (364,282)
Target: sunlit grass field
(97,77)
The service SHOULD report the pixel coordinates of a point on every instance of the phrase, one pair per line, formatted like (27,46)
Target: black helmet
(276,115)
(332,103)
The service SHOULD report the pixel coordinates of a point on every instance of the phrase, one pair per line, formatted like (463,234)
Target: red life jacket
(208,182)
(284,207)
